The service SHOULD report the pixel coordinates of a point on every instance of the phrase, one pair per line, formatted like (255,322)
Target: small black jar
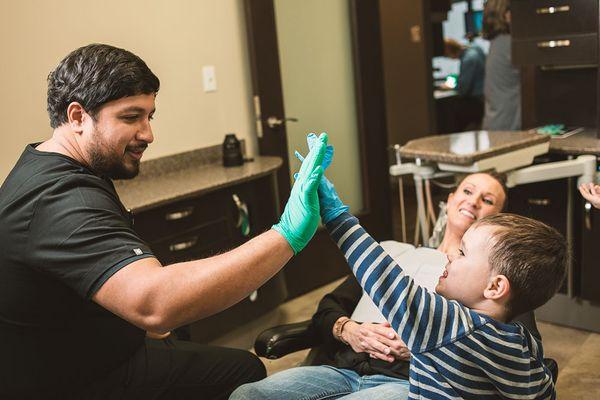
(232,151)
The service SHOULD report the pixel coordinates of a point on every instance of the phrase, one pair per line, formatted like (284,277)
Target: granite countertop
(467,147)
(180,176)
(584,142)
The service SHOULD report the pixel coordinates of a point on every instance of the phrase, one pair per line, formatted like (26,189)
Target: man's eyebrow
(136,109)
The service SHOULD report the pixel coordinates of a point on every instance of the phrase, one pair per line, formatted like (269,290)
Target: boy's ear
(497,288)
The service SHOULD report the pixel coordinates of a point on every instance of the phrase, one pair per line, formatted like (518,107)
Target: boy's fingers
(328,156)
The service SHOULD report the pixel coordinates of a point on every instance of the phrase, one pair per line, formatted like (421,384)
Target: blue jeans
(323,382)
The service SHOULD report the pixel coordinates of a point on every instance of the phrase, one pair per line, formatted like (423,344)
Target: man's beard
(109,163)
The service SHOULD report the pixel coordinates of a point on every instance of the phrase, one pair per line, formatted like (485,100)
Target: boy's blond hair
(532,255)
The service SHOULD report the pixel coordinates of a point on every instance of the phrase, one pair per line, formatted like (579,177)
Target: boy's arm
(423,320)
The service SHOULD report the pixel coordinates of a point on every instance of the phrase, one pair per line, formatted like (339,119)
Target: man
(79,288)
(469,85)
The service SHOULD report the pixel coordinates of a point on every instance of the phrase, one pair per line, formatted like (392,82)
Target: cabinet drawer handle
(538,202)
(552,10)
(588,216)
(550,44)
(181,214)
(188,244)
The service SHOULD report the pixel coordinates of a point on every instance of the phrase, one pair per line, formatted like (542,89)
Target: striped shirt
(457,353)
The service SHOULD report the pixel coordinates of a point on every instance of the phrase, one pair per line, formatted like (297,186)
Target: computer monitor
(473,22)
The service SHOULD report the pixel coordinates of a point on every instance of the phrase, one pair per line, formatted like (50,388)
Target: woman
(502,85)
(368,360)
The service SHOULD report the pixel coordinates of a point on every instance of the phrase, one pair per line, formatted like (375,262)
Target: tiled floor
(577,352)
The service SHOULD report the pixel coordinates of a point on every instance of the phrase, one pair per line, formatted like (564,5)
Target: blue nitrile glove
(300,218)
(329,201)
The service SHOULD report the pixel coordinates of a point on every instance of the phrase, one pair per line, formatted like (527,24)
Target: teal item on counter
(552,129)
(243,222)
(300,217)
(451,81)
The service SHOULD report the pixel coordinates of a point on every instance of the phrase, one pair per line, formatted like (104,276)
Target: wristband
(338,328)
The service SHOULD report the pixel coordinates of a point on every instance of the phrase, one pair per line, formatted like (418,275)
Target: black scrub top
(63,233)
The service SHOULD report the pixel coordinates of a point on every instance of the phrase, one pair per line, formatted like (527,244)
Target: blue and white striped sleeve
(423,320)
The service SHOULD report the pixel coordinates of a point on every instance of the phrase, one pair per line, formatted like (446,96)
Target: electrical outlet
(209,78)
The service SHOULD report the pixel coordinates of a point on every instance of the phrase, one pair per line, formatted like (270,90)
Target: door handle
(188,244)
(552,10)
(550,44)
(181,214)
(274,122)
(538,202)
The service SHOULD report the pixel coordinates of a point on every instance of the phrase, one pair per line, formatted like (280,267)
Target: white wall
(175,38)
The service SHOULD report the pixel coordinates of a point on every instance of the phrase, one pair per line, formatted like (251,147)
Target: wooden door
(321,261)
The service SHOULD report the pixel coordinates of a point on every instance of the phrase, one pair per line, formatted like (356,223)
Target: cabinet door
(543,201)
(590,253)
(551,18)
(556,50)
(208,224)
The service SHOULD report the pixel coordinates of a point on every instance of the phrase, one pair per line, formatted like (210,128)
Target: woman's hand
(379,340)
(591,193)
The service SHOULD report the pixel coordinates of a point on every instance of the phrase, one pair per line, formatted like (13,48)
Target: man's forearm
(159,298)
(211,285)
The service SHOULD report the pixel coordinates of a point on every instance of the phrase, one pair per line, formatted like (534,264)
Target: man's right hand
(379,340)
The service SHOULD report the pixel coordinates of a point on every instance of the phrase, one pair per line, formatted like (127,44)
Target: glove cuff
(289,237)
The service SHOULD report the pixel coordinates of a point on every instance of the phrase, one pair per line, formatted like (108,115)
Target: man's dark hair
(532,255)
(94,75)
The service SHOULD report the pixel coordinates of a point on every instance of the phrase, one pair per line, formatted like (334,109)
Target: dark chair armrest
(280,340)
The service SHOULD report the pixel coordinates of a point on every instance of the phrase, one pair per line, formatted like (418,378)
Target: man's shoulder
(46,169)
(52,179)
(36,176)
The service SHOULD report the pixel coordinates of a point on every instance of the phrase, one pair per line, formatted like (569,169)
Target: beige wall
(175,38)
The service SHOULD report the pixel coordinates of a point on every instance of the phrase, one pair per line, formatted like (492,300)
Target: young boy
(462,345)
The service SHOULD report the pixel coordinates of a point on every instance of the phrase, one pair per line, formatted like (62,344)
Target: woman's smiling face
(477,196)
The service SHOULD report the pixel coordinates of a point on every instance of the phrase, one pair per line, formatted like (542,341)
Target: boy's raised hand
(329,201)
(300,218)
(591,192)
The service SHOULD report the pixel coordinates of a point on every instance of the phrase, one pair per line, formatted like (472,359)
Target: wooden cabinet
(551,32)
(543,201)
(555,50)
(208,224)
(590,251)
(553,18)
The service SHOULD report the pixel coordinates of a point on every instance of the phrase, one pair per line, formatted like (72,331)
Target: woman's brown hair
(494,18)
